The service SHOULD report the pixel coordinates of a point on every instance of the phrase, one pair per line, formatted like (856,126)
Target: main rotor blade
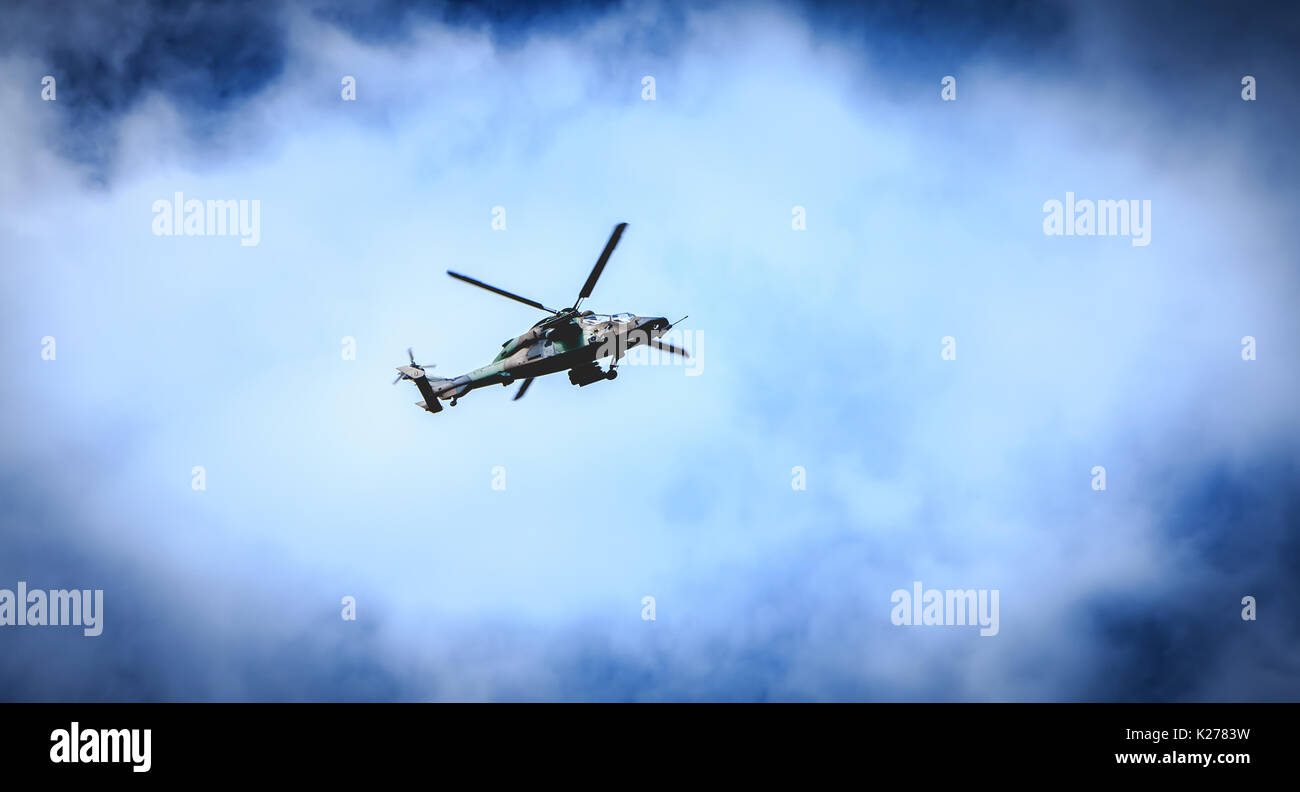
(600,264)
(523,389)
(657,344)
(501,292)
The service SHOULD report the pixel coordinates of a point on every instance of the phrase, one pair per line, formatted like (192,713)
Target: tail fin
(421,381)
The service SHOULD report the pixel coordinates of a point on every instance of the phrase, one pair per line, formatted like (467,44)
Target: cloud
(822,351)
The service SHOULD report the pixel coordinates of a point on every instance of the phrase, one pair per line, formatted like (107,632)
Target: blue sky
(821,349)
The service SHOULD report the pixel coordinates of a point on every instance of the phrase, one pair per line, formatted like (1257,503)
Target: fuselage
(558,343)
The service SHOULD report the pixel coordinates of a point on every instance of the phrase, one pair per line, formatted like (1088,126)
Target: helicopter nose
(654,325)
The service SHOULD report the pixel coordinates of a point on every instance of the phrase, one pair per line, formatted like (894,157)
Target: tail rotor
(413,371)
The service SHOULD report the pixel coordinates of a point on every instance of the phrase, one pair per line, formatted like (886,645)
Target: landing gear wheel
(453,402)
(611,374)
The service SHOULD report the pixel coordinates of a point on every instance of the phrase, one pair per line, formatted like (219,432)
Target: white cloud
(823,346)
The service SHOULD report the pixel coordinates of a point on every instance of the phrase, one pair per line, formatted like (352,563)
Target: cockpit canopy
(619,318)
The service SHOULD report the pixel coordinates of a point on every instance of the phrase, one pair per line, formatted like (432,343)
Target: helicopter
(569,339)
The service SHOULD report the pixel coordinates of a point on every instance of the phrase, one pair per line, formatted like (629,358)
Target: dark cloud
(209,58)
(1231,533)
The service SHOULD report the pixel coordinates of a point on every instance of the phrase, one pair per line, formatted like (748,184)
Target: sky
(819,352)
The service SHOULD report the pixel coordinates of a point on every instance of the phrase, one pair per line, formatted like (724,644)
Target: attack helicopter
(569,339)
